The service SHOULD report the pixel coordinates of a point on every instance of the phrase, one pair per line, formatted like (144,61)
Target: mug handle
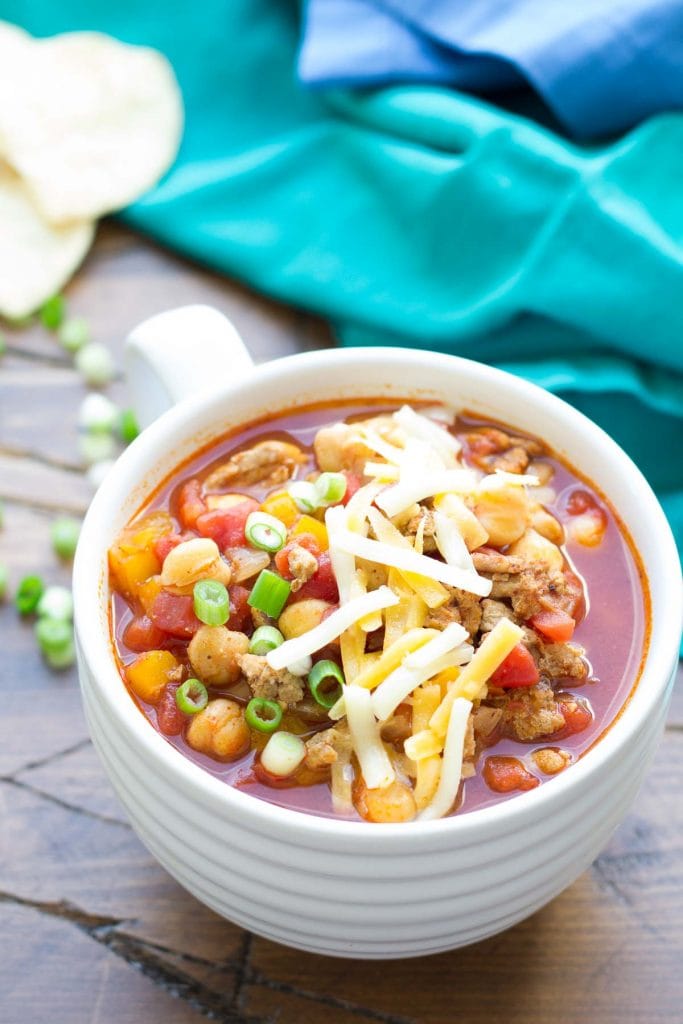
(179,353)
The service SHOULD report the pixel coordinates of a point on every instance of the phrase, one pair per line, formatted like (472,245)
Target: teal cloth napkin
(420,216)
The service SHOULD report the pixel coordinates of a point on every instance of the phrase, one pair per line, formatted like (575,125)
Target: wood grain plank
(31,482)
(39,723)
(52,970)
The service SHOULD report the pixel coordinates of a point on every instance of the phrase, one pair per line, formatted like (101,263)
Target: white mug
(341,887)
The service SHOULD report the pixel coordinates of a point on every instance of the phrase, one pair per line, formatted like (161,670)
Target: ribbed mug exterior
(350,888)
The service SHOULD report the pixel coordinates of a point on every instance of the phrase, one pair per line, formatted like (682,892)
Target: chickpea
(504,513)
(219,730)
(547,525)
(302,616)
(196,559)
(395,803)
(214,653)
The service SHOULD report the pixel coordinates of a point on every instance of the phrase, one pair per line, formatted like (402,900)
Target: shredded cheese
(419,426)
(432,593)
(372,440)
(451,762)
(330,628)
(471,682)
(402,681)
(399,496)
(472,531)
(381,470)
(450,543)
(501,478)
(409,613)
(426,699)
(422,745)
(409,561)
(367,744)
(343,564)
(447,640)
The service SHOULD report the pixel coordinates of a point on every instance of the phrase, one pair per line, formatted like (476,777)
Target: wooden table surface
(93,930)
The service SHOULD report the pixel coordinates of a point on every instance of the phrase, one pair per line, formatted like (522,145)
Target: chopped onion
(451,762)
(331,627)
(367,744)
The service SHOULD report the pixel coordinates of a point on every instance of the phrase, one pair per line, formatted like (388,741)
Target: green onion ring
(263,715)
(264,639)
(265,531)
(211,602)
(191,697)
(321,674)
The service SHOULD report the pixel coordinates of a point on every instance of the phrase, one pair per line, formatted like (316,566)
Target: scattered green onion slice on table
(55,639)
(74,333)
(263,715)
(95,364)
(52,312)
(98,414)
(128,426)
(96,447)
(264,639)
(64,533)
(265,531)
(56,603)
(304,495)
(325,681)
(283,753)
(4,580)
(29,593)
(269,594)
(191,697)
(330,488)
(3,344)
(211,602)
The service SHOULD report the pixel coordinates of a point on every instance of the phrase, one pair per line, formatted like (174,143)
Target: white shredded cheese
(451,762)
(365,737)
(343,564)
(372,440)
(419,426)
(331,627)
(451,637)
(408,560)
(400,496)
(450,542)
(381,470)
(403,680)
(501,478)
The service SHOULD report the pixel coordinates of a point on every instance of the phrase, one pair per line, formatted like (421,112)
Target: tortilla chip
(88,122)
(35,258)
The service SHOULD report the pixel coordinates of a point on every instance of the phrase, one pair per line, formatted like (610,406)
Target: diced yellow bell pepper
(307,524)
(282,506)
(148,675)
(129,571)
(148,591)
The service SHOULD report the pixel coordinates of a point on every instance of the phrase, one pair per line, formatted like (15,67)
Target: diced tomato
(174,614)
(353,484)
(555,625)
(579,502)
(577,716)
(191,504)
(323,585)
(518,669)
(226,525)
(170,541)
(302,540)
(141,634)
(505,774)
(170,718)
(240,613)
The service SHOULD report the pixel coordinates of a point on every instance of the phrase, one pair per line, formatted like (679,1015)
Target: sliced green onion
(96,448)
(265,638)
(265,531)
(98,471)
(29,593)
(74,333)
(56,603)
(64,533)
(331,488)
(282,754)
(128,426)
(304,495)
(3,344)
(4,581)
(211,602)
(56,642)
(98,414)
(325,681)
(263,715)
(191,697)
(269,594)
(95,364)
(53,311)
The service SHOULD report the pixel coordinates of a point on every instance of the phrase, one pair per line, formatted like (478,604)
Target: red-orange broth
(614,630)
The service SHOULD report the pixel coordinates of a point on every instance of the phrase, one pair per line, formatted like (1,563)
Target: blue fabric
(600,65)
(420,216)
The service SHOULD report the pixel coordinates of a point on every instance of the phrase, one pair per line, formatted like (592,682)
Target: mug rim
(95,647)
